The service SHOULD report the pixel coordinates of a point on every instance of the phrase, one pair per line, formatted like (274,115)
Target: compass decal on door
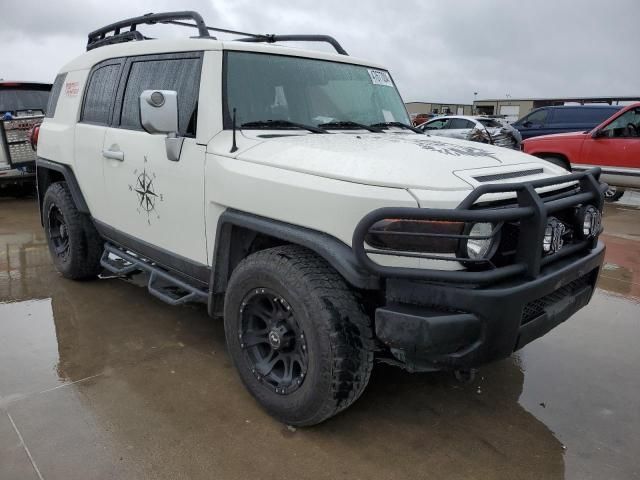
(145,190)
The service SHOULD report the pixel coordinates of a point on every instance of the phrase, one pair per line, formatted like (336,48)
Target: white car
(285,189)
(477,129)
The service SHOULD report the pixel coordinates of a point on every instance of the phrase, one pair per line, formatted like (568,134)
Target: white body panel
(323,182)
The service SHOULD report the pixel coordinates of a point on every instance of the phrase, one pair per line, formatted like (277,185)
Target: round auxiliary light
(480,243)
(590,220)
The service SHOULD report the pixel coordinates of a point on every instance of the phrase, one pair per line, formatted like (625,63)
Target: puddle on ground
(162,398)
(28,349)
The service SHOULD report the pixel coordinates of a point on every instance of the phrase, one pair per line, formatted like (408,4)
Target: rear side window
(582,115)
(98,100)
(179,74)
(55,94)
(460,123)
(489,122)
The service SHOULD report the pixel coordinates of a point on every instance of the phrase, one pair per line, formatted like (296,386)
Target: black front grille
(537,307)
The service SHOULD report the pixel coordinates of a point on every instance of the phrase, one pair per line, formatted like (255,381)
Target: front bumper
(435,326)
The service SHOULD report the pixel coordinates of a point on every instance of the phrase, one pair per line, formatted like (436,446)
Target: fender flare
(43,166)
(338,254)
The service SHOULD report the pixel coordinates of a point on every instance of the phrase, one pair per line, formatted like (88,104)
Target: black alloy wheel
(58,232)
(273,343)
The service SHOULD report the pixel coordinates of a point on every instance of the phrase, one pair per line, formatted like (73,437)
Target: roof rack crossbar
(214,29)
(117,36)
(270,38)
(100,37)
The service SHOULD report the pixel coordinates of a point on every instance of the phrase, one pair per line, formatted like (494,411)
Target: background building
(513,108)
(439,108)
(509,108)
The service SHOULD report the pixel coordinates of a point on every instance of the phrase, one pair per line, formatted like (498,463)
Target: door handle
(113,155)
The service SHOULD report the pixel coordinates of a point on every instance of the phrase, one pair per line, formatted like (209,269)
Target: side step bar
(162,284)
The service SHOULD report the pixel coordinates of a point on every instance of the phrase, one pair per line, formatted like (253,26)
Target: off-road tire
(613,194)
(337,332)
(85,246)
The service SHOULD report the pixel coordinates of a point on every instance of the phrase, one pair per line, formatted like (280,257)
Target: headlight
(408,235)
(589,221)
(480,243)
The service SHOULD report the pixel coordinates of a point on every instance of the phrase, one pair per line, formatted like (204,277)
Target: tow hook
(465,376)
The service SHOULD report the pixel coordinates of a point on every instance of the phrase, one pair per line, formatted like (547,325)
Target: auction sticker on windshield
(380,77)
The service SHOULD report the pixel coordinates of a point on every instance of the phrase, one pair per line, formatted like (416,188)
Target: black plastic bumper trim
(436,325)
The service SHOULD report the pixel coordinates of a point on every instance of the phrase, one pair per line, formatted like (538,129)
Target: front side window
(537,118)
(264,87)
(98,100)
(179,74)
(625,126)
(436,124)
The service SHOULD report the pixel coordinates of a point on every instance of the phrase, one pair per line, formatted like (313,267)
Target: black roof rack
(112,34)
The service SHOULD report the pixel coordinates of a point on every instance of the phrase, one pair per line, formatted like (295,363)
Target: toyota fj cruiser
(286,189)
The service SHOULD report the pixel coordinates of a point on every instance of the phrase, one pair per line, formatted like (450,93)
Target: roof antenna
(234,146)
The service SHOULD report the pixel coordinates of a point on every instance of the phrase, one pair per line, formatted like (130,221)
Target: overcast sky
(436,50)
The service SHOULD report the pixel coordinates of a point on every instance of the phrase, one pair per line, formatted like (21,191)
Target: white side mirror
(159,115)
(159,111)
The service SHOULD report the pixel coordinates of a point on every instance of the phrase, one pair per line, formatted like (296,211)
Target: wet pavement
(100,380)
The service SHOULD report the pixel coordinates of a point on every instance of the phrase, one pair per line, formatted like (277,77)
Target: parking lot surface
(101,380)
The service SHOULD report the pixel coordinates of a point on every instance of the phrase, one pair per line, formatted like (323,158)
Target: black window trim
(97,66)
(116,118)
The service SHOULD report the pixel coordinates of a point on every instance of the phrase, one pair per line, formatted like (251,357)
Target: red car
(614,146)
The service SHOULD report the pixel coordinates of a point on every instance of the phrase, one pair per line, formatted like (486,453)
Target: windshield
(311,92)
(17,99)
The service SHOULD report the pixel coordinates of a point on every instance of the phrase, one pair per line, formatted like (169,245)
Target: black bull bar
(530,210)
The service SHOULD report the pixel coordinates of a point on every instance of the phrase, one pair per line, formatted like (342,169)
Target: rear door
(156,206)
(95,116)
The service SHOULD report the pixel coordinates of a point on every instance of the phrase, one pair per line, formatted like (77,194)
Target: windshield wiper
(281,124)
(350,124)
(397,124)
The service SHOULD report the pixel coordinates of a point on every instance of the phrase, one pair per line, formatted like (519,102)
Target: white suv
(286,189)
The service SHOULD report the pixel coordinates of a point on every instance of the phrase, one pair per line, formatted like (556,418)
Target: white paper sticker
(380,77)
(71,89)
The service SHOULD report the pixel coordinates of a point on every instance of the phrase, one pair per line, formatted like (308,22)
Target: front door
(617,149)
(156,206)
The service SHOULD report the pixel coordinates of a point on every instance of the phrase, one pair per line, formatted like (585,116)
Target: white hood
(388,159)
